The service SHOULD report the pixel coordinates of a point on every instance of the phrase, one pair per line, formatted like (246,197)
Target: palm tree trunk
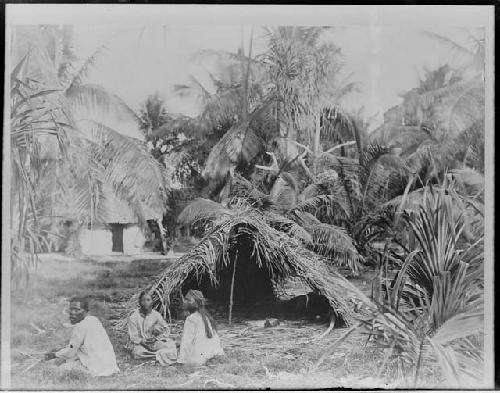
(317,144)
(397,216)
(244,114)
(417,368)
(232,289)
(359,143)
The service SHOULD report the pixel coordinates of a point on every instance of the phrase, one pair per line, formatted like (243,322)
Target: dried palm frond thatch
(281,255)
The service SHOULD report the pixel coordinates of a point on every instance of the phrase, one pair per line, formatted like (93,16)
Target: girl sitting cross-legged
(200,341)
(149,333)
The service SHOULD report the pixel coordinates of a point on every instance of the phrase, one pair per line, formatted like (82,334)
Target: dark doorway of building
(117,237)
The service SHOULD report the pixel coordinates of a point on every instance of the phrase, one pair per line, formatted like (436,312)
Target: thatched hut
(113,231)
(117,227)
(242,260)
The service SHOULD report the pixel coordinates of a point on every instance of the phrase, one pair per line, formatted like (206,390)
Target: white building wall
(96,242)
(133,240)
(99,241)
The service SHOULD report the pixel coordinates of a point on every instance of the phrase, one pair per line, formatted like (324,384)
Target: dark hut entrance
(117,237)
(261,273)
(252,291)
(252,280)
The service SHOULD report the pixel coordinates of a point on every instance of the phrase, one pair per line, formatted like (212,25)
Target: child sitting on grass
(200,341)
(149,334)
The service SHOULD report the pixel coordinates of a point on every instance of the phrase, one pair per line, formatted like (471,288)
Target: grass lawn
(257,358)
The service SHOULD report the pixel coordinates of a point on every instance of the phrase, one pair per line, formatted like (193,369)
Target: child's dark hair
(142,294)
(208,321)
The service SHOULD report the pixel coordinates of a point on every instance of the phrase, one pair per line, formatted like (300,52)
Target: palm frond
(460,111)
(135,175)
(457,106)
(459,326)
(93,101)
(200,210)
(84,70)
(37,127)
(223,56)
(333,205)
(468,181)
(238,145)
(284,192)
(242,188)
(290,227)
(16,74)
(305,219)
(81,195)
(336,121)
(455,45)
(333,240)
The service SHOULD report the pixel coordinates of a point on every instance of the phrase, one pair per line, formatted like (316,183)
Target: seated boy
(89,348)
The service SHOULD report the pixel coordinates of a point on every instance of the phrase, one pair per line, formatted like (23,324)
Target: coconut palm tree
(94,112)
(333,207)
(457,103)
(447,131)
(470,52)
(152,115)
(292,80)
(232,108)
(67,119)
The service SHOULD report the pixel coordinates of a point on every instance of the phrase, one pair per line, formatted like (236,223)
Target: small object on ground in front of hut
(37,328)
(213,383)
(256,324)
(218,359)
(271,322)
(141,364)
(32,355)
(243,331)
(37,361)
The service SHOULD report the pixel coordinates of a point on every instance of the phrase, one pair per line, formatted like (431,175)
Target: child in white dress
(200,341)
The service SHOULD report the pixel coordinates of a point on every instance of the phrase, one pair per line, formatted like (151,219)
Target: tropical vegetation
(274,163)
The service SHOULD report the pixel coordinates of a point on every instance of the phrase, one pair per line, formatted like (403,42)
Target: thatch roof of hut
(110,210)
(281,257)
(116,211)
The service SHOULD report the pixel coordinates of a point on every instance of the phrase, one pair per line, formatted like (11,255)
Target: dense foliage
(273,141)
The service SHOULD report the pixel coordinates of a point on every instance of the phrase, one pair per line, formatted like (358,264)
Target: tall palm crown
(153,114)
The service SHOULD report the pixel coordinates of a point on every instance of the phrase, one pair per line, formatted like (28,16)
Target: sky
(385,61)
(384,48)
